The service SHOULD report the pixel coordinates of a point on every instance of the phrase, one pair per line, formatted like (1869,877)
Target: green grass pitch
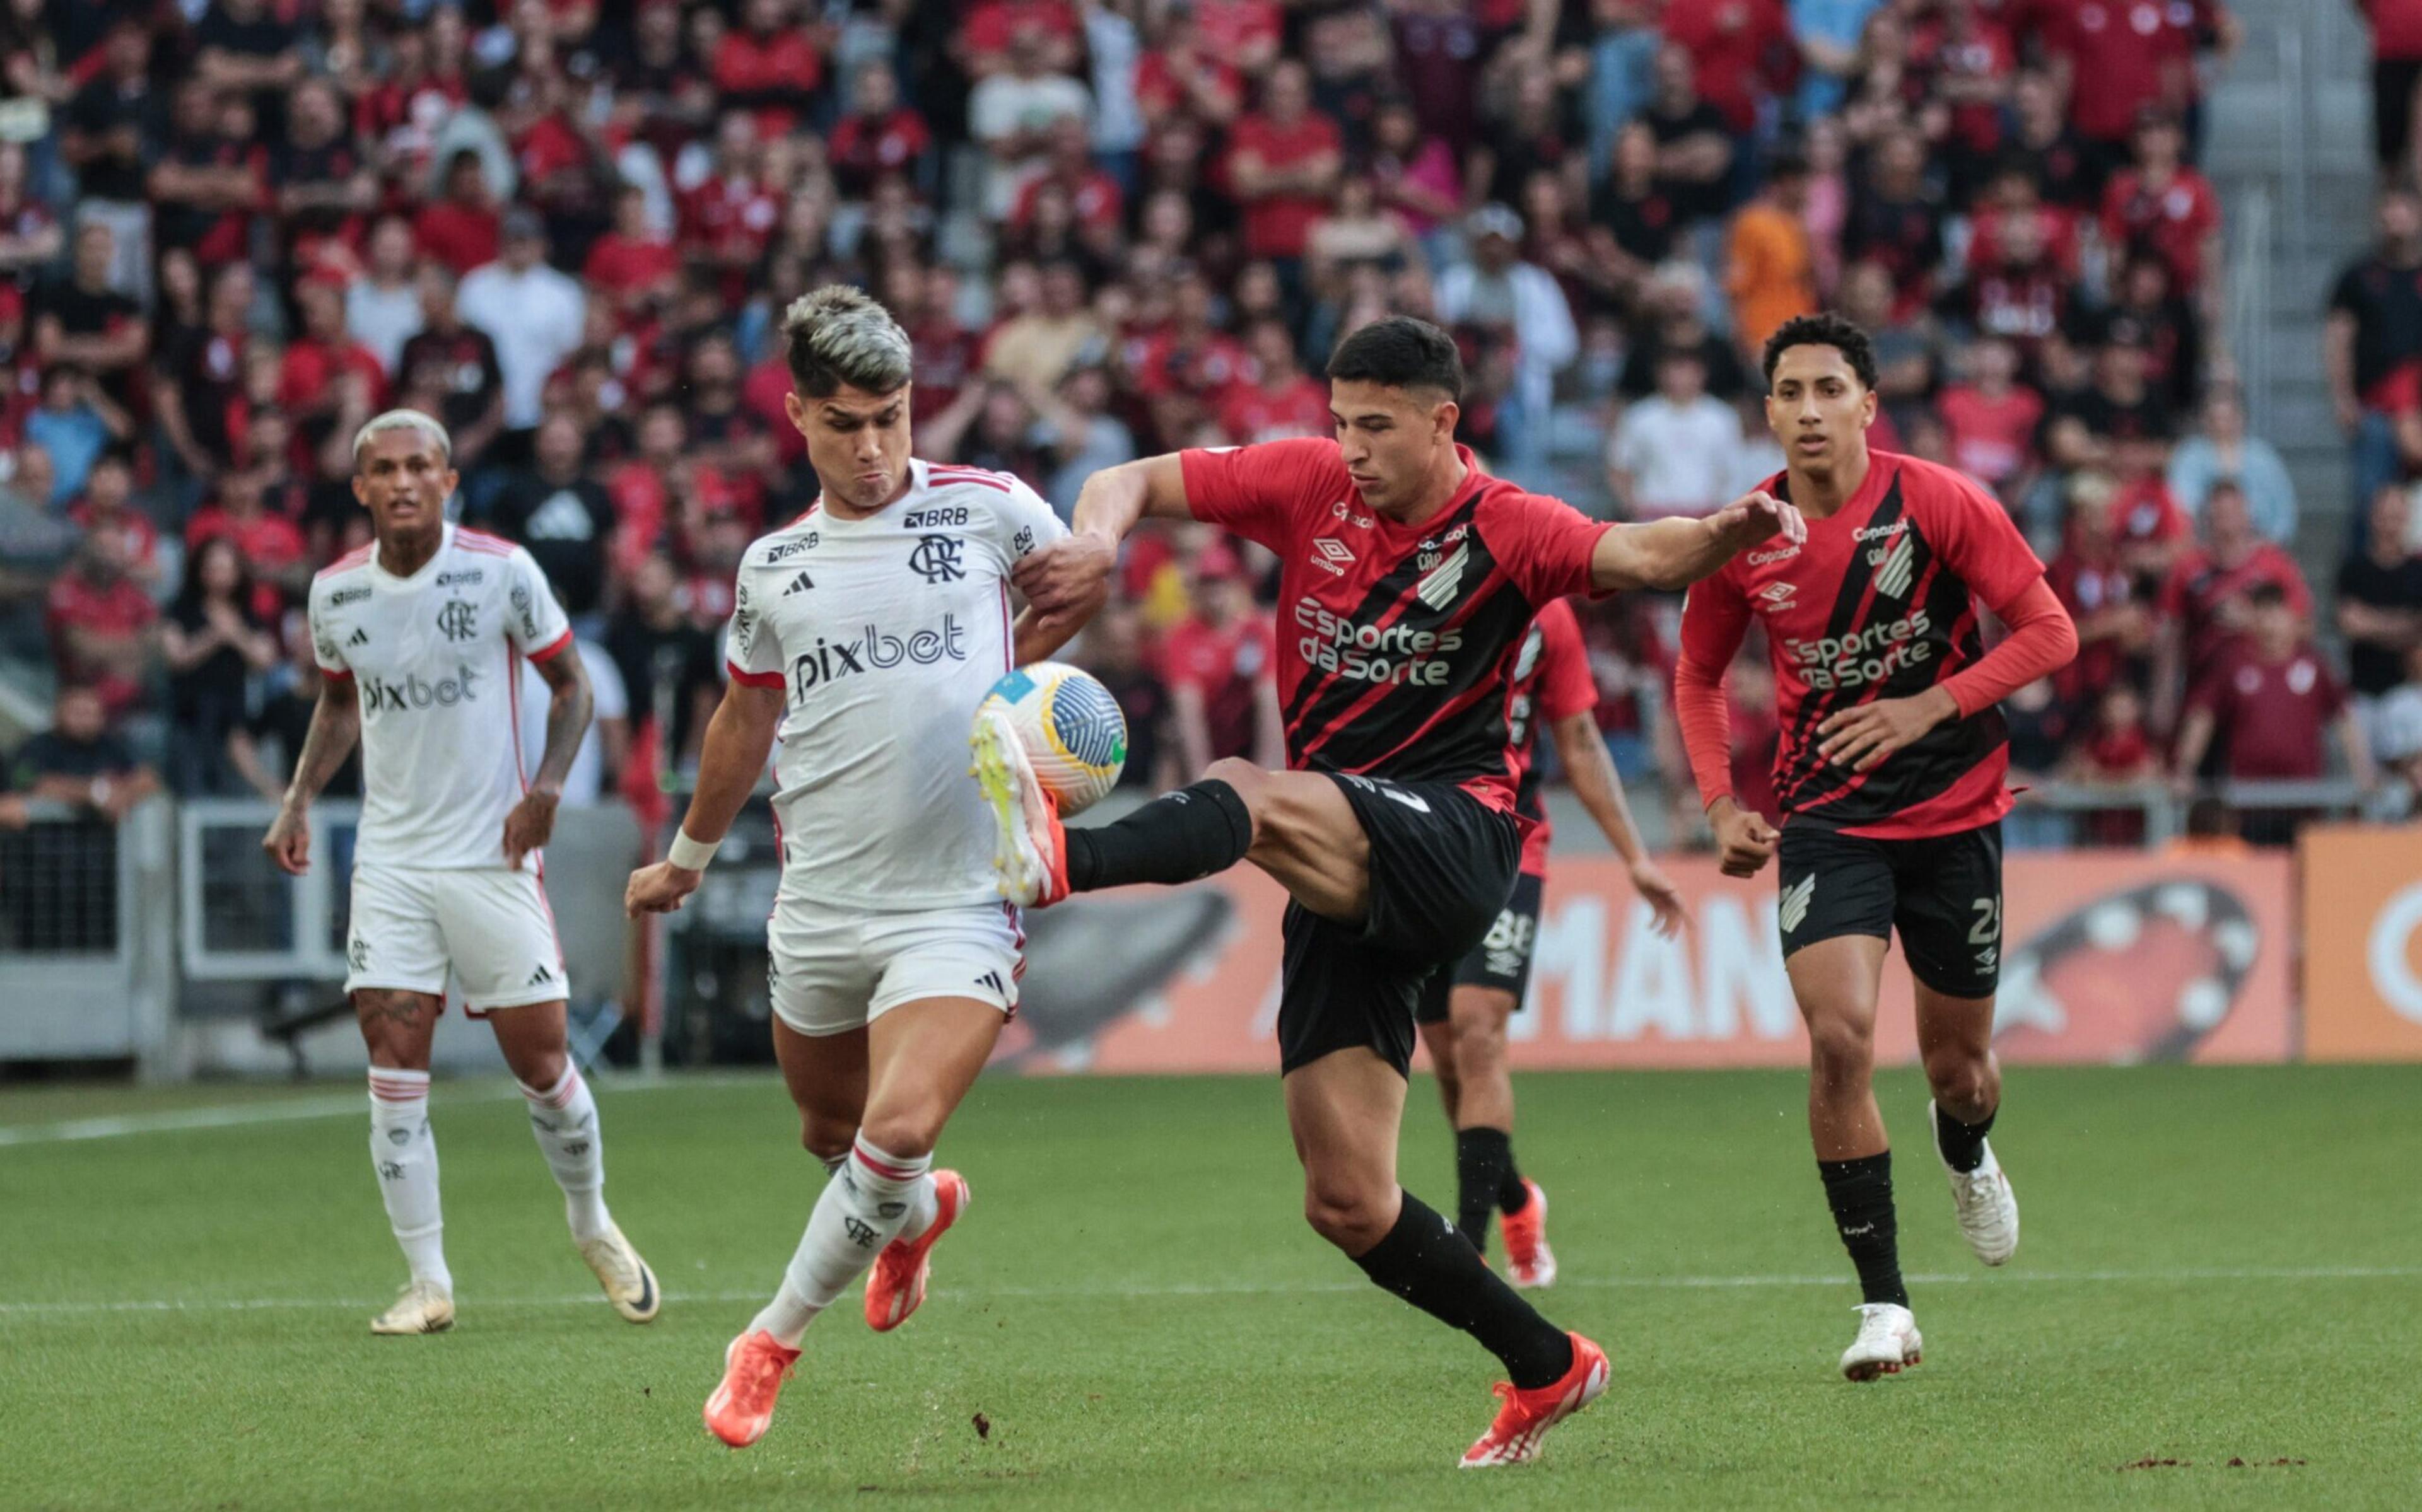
(2218,1266)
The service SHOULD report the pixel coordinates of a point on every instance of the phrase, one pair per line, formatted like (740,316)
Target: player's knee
(1479,1030)
(1840,1050)
(1345,1214)
(1957,1075)
(906,1132)
(826,1137)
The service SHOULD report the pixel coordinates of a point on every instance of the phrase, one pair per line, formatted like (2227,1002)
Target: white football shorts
(492,926)
(832,969)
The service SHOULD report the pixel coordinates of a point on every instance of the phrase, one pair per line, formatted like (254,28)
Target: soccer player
(1408,578)
(420,636)
(1465,1008)
(1891,778)
(863,635)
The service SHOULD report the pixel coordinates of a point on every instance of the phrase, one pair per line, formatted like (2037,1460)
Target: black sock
(1178,837)
(1425,1261)
(1481,1158)
(1513,1194)
(1860,1192)
(1962,1145)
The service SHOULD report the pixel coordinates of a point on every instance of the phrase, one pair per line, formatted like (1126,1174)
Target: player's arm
(1715,619)
(1073,576)
(1674,554)
(739,738)
(1034,636)
(1599,786)
(335,723)
(570,704)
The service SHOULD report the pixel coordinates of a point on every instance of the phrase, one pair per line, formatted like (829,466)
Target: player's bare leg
(1836,982)
(563,1120)
(1955,1039)
(826,1077)
(919,1060)
(396,1027)
(1488,1180)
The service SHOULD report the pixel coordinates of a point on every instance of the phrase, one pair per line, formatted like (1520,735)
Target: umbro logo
(359,637)
(1794,909)
(800,584)
(1988,956)
(1778,595)
(539,975)
(1332,554)
(1412,801)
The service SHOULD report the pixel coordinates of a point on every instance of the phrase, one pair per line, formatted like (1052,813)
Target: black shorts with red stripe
(1442,866)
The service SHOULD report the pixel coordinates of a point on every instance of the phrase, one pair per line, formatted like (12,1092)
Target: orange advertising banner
(2363,942)
(2110,957)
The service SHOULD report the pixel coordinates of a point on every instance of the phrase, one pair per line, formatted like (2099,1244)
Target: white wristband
(688,854)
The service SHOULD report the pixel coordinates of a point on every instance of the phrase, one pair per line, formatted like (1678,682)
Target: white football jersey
(885,634)
(435,661)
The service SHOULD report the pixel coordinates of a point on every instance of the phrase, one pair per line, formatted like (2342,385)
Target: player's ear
(1442,420)
(1867,402)
(796,410)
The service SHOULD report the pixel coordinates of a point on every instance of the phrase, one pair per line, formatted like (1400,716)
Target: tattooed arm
(335,721)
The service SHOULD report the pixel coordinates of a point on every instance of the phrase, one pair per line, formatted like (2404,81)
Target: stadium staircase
(2290,150)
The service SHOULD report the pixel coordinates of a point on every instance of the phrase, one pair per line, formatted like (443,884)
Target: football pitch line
(32,1310)
(334,1105)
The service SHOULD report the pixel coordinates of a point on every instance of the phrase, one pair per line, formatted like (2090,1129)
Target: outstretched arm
(738,739)
(1674,554)
(1073,576)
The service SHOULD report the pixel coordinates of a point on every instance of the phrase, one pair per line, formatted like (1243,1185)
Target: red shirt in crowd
(2395,29)
(2199,586)
(1096,199)
(2270,716)
(2172,223)
(1225,664)
(1277,226)
(1992,440)
(306,376)
(462,237)
(1161,89)
(2124,56)
(1249,413)
(629,268)
(120,610)
(1166,364)
(1743,50)
(1229,28)
(2088,585)
(864,147)
(785,64)
(990,25)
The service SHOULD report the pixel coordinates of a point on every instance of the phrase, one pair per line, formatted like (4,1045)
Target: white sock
(564,1119)
(924,1207)
(863,1207)
(404,1152)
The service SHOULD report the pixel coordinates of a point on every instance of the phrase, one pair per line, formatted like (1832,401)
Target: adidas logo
(359,637)
(798,584)
(541,975)
(1795,903)
(991,980)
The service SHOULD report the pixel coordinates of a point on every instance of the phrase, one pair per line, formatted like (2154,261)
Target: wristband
(688,854)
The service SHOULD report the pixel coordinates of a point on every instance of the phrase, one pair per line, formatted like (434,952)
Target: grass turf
(2219,1266)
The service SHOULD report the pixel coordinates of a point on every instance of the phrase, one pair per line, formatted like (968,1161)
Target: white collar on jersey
(445,540)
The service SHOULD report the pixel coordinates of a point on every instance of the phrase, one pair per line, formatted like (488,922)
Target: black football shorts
(1941,894)
(1442,865)
(1501,960)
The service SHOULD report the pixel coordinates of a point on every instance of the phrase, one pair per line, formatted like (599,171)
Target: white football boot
(1989,1211)
(630,1286)
(421,1309)
(1887,1342)
(1029,848)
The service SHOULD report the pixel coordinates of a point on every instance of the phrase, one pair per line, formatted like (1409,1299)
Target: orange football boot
(896,1286)
(742,1408)
(1527,1416)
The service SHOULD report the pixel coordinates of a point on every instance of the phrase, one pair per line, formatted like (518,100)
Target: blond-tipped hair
(402,420)
(839,335)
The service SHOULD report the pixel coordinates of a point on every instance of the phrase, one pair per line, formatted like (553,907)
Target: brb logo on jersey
(1366,653)
(380,695)
(872,650)
(1864,656)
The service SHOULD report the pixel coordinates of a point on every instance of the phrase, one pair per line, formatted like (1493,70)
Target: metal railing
(2247,328)
(85,968)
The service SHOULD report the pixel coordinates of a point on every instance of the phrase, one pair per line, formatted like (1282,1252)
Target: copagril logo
(872,650)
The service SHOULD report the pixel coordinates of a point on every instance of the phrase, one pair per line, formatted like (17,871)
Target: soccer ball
(1070,728)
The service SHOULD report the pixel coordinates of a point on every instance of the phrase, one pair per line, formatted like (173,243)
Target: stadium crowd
(232,230)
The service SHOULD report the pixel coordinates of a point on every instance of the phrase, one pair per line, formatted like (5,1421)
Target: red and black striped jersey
(1880,602)
(1397,643)
(1552,682)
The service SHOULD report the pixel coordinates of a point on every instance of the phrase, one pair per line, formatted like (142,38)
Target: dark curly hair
(1827,330)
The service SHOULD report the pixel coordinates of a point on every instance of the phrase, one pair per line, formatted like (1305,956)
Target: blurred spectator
(2396,74)
(1994,418)
(309,379)
(1896,222)
(1696,147)
(563,516)
(1035,349)
(2116,59)
(2268,698)
(451,369)
(597,766)
(112,130)
(878,133)
(1282,162)
(1771,263)
(1677,451)
(530,311)
(34,545)
(2380,607)
(2163,207)
(465,228)
(79,760)
(86,319)
(1515,314)
(105,508)
(1280,399)
(2115,623)
(1081,435)
(1012,111)
(633,264)
(269,540)
(2374,332)
(199,389)
(382,307)
(102,624)
(1113,650)
(212,642)
(671,673)
(2206,601)
(2222,451)
(263,749)
(1220,662)
(75,422)
(2117,752)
